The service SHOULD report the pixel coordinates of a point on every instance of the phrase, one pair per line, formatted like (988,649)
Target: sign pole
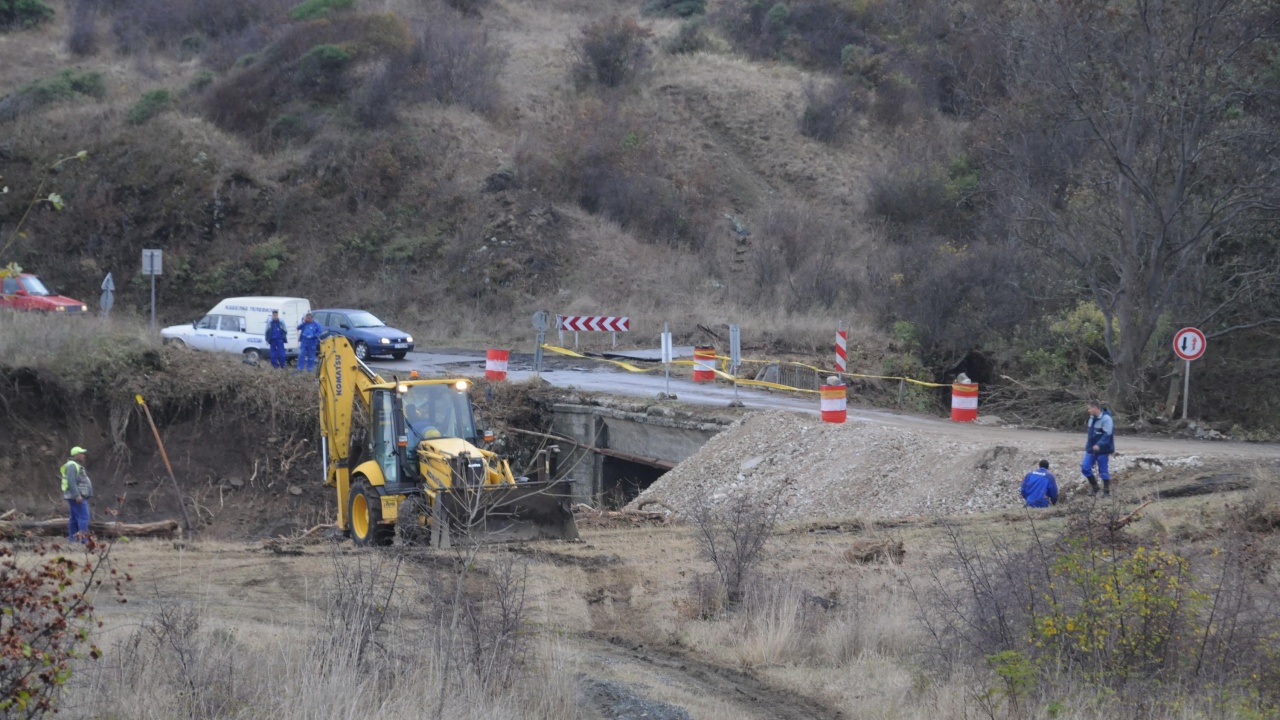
(1188,344)
(153,302)
(666,355)
(1186,387)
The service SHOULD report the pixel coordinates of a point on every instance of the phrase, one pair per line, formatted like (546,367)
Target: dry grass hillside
(237,213)
(455,165)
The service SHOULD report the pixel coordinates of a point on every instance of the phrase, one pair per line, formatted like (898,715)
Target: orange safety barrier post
(704,363)
(964,402)
(495,364)
(834,398)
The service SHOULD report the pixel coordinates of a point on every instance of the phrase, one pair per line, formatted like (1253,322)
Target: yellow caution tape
(625,366)
(724,363)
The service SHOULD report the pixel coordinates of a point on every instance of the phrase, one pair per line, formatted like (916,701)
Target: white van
(237,325)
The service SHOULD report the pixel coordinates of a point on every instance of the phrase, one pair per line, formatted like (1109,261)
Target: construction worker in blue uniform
(1098,447)
(77,490)
(1039,488)
(276,336)
(309,332)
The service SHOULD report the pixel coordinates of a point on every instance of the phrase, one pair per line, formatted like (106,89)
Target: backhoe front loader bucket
(503,513)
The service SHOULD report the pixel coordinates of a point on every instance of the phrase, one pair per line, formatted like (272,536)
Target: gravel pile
(837,471)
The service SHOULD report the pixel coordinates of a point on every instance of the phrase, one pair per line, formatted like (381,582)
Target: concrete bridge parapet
(620,451)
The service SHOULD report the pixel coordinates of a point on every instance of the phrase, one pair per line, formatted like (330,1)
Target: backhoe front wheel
(364,508)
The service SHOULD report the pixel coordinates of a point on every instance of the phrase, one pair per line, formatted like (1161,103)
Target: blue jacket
(1102,432)
(1039,488)
(309,333)
(276,332)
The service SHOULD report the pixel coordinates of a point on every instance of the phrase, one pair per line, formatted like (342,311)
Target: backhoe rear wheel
(364,507)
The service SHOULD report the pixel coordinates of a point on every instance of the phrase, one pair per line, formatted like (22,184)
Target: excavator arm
(343,377)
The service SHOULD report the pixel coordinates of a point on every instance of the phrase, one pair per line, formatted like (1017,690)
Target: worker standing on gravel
(1039,488)
(77,490)
(276,336)
(309,332)
(1098,448)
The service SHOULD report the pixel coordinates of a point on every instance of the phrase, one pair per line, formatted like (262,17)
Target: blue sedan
(369,336)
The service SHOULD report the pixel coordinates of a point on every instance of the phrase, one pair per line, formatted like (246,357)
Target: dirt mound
(832,471)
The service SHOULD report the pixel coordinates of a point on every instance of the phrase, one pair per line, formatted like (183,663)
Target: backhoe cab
(406,457)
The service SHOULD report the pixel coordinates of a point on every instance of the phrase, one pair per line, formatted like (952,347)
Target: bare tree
(732,532)
(1143,143)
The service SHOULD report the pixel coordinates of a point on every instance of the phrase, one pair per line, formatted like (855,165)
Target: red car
(26,292)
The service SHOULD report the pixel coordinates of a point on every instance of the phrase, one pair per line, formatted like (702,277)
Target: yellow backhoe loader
(414,466)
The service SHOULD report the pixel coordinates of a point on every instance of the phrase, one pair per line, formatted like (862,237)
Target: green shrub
(327,57)
(151,104)
(90,83)
(24,13)
(676,8)
(202,80)
(318,9)
(691,38)
(63,86)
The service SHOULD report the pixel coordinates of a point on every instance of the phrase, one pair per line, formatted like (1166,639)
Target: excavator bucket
(504,512)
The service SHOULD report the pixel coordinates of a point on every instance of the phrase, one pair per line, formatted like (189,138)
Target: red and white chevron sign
(842,343)
(593,323)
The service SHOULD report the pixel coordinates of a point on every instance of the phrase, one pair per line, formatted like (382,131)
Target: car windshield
(362,319)
(33,286)
(439,407)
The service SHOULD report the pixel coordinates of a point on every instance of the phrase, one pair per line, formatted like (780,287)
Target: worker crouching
(1039,488)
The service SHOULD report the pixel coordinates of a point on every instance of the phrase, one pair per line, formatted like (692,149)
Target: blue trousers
(277,355)
(307,357)
(79,522)
(1102,461)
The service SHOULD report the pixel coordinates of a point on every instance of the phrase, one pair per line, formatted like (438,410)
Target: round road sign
(541,321)
(1189,343)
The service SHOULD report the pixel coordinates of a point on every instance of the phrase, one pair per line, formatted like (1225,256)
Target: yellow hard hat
(77,450)
(431,434)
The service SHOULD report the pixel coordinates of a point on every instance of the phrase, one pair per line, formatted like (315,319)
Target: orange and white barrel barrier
(704,363)
(495,364)
(964,402)
(833,403)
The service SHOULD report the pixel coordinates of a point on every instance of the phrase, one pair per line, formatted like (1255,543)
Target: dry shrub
(830,110)
(609,161)
(611,53)
(82,35)
(308,64)
(875,551)
(468,7)
(811,32)
(140,25)
(802,257)
(732,533)
(455,62)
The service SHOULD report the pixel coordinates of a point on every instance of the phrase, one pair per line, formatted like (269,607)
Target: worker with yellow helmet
(77,489)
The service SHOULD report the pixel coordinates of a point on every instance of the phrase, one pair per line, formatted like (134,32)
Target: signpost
(735,356)
(152,264)
(108,298)
(667,354)
(1188,344)
(541,323)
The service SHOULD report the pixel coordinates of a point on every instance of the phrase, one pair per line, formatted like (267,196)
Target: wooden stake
(182,504)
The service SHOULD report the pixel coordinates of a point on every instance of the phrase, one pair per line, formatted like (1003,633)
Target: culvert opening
(622,480)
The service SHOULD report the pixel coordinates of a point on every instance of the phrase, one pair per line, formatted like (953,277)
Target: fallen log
(58,526)
(871,550)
